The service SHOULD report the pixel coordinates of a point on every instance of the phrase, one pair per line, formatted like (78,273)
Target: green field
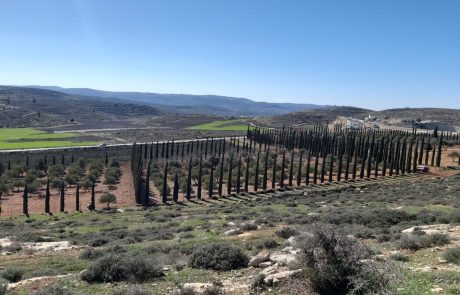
(28,138)
(223,125)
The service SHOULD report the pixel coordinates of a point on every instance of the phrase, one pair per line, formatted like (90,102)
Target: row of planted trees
(41,178)
(275,158)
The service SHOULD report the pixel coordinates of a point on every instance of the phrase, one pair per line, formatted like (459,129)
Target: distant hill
(312,117)
(22,106)
(444,119)
(194,104)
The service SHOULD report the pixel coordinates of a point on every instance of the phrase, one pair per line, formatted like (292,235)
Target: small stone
(265,264)
(231,232)
(263,256)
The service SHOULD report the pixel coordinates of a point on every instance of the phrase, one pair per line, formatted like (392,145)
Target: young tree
(107,198)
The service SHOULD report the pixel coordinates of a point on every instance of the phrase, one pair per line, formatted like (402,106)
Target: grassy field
(224,125)
(376,213)
(26,138)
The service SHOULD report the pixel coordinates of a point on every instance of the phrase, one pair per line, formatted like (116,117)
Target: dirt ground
(12,203)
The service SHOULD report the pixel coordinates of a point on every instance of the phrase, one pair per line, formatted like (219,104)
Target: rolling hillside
(29,107)
(194,104)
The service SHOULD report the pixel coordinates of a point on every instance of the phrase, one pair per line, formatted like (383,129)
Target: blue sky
(368,53)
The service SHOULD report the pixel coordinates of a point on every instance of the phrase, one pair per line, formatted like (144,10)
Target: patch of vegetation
(25,138)
(338,264)
(12,275)
(417,242)
(453,255)
(116,267)
(218,257)
(227,125)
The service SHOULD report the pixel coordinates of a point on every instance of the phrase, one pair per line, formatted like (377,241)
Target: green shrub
(286,232)
(269,244)
(116,267)
(218,257)
(419,241)
(453,255)
(12,275)
(248,227)
(54,290)
(399,257)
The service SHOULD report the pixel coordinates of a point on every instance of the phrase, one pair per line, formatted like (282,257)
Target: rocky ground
(410,223)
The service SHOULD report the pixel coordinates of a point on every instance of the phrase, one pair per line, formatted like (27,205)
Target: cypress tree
(92,204)
(176,189)
(414,166)
(47,196)
(355,166)
(151,152)
(221,175)
(291,168)
(331,167)
(323,168)
(339,167)
(146,198)
(275,157)
(299,171)
(283,166)
(420,159)
(256,176)
(200,173)
(315,171)
(230,172)
(164,192)
(106,160)
(432,155)
(238,178)
(246,177)
(189,180)
(211,179)
(156,150)
(264,180)
(307,177)
(62,204)
(409,157)
(77,197)
(25,202)
(438,157)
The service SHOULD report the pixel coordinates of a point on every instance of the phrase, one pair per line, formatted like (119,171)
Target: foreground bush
(3,286)
(116,267)
(453,255)
(12,275)
(338,264)
(218,257)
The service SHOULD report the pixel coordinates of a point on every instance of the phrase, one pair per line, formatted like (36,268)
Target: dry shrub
(339,264)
